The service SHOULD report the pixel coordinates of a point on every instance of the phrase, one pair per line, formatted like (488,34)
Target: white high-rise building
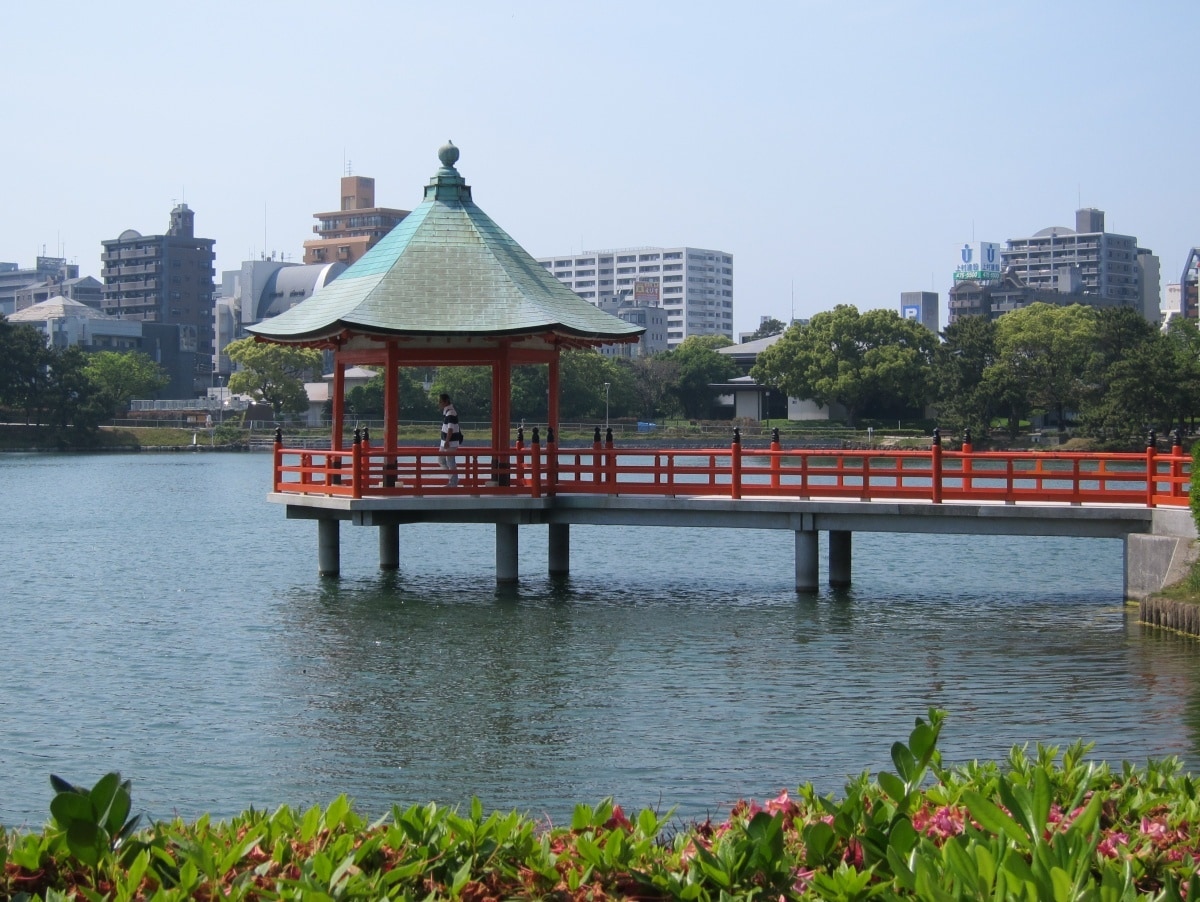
(693,285)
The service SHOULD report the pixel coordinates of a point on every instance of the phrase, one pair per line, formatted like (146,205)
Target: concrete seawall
(1156,561)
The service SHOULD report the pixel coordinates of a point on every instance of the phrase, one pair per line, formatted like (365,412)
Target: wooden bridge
(1140,497)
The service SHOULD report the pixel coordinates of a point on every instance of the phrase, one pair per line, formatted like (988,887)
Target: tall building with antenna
(165,279)
(348,233)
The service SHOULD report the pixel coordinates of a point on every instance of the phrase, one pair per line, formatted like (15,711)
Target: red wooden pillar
(501,414)
(552,401)
(391,398)
(339,402)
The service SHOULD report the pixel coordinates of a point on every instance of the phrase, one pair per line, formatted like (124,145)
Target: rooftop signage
(980,263)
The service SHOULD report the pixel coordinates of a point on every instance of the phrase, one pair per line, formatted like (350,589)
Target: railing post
(735,465)
(597,468)
(776,460)
(1177,463)
(1151,448)
(535,464)
(551,463)
(520,455)
(610,460)
(967,448)
(935,466)
(278,454)
(356,466)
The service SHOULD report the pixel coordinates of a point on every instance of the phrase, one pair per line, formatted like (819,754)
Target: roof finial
(448,154)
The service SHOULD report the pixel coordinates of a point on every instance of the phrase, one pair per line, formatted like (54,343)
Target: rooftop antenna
(793,313)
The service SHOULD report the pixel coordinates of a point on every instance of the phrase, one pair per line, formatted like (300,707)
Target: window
(644,257)
(558,264)
(589,261)
(648,269)
(630,258)
(626,269)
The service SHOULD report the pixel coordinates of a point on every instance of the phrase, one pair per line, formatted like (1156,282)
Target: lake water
(162,619)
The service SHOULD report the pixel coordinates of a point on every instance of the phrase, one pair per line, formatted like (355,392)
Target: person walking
(451,438)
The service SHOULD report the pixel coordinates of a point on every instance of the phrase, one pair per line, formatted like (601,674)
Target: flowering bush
(1042,826)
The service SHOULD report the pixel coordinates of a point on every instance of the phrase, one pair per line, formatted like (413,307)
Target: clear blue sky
(843,151)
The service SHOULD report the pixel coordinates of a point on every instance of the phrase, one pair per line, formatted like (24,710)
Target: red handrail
(934,475)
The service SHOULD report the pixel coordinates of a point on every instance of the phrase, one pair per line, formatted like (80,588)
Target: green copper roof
(446,270)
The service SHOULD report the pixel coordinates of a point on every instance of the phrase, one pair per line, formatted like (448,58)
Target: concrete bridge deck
(1157,541)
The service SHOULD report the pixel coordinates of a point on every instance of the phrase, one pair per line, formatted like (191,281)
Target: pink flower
(1108,845)
(802,879)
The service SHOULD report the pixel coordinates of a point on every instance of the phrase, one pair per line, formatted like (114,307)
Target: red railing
(1149,479)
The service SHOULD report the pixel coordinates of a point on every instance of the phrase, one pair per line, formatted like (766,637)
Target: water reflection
(192,646)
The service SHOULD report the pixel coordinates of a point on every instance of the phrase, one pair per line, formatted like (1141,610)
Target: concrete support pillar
(560,549)
(329,550)
(839,558)
(506,552)
(806,560)
(389,546)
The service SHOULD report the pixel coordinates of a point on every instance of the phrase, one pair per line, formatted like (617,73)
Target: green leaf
(1041,800)
(1086,821)
(69,807)
(61,785)
(906,764)
(903,836)
(104,793)
(461,876)
(992,819)
(893,786)
(818,843)
(86,841)
(922,741)
(335,814)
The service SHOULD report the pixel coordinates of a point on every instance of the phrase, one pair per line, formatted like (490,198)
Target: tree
(471,389)
(415,402)
(1046,348)
(963,397)
(1182,344)
(273,373)
(71,398)
(699,367)
(768,327)
(652,382)
(877,358)
(1127,377)
(24,358)
(120,377)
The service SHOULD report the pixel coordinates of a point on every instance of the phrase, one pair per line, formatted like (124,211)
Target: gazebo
(446,287)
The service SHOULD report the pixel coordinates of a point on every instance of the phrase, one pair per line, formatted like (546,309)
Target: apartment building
(1058,265)
(693,285)
(348,233)
(166,279)
(1109,267)
(46,270)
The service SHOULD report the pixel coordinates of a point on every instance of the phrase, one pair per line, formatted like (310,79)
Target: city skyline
(842,154)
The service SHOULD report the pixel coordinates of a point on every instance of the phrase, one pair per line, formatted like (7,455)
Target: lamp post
(606,384)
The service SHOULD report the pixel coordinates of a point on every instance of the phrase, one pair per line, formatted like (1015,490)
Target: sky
(842,151)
